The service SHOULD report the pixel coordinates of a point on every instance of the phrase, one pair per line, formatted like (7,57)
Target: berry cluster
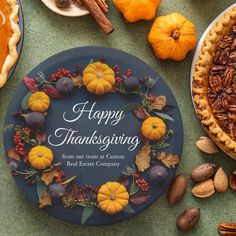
(60,176)
(76,71)
(116,69)
(19,138)
(62,72)
(128,73)
(141,183)
(151,97)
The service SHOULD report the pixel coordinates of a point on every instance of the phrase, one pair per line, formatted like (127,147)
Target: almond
(221,181)
(204,189)
(206,145)
(177,189)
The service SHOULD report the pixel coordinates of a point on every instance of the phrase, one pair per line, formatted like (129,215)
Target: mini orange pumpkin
(40,157)
(153,128)
(39,101)
(172,36)
(112,197)
(135,10)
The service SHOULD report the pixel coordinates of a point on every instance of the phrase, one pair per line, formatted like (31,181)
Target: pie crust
(200,81)
(12,56)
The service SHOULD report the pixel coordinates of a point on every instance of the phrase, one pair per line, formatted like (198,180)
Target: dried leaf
(45,200)
(168,159)
(68,181)
(48,176)
(159,103)
(77,81)
(140,197)
(40,137)
(141,113)
(41,188)
(31,84)
(51,91)
(13,155)
(143,158)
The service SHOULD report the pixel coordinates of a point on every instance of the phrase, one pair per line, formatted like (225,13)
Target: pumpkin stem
(113,197)
(154,126)
(175,34)
(99,74)
(40,155)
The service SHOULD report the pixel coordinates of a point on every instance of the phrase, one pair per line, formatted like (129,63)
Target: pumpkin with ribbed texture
(98,78)
(172,37)
(112,197)
(153,128)
(39,102)
(135,10)
(40,157)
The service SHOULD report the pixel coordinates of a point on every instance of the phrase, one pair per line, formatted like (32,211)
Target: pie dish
(10,36)
(214,82)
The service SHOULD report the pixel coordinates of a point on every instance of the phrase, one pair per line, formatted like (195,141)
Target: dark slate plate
(20,43)
(129,125)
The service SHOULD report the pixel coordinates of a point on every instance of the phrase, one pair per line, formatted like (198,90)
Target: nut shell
(177,189)
(204,189)
(188,219)
(221,181)
(206,145)
(203,172)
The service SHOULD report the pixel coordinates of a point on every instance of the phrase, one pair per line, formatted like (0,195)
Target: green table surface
(46,34)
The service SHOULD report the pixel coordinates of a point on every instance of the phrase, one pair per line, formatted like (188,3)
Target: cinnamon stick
(99,16)
(102,4)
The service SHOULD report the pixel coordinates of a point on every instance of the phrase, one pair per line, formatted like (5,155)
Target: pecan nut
(227,229)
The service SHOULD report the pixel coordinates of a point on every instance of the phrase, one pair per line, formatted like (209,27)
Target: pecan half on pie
(214,82)
(9,37)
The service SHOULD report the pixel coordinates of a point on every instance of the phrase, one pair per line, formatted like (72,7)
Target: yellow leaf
(143,158)
(158,104)
(168,159)
(13,155)
(45,200)
(78,81)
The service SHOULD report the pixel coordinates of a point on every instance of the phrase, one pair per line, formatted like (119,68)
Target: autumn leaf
(143,158)
(140,197)
(13,155)
(141,113)
(77,81)
(168,159)
(45,200)
(158,104)
(48,176)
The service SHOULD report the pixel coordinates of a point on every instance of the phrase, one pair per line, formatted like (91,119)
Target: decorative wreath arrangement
(133,186)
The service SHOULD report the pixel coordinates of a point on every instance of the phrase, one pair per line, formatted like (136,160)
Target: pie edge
(12,45)
(201,70)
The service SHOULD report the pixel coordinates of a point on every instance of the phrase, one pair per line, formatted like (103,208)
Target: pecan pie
(214,82)
(10,35)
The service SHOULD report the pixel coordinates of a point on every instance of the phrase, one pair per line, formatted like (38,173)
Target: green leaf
(129,209)
(24,102)
(87,212)
(130,107)
(91,61)
(163,145)
(163,116)
(41,187)
(133,189)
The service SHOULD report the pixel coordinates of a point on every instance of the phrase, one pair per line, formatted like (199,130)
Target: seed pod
(188,219)
(203,172)
(177,189)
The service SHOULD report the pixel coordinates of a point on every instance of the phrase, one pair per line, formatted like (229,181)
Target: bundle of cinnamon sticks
(97,9)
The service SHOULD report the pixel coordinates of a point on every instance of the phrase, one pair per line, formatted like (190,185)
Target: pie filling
(5,31)
(222,84)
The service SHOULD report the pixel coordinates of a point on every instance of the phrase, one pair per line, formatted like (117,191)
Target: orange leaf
(143,158)
(48,176)
(13,155)
(45,200)
(168,159)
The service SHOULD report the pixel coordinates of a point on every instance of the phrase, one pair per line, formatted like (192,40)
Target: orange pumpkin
(172,36)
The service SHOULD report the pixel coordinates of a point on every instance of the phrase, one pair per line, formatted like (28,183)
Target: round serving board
(196,54)
(20,43)
(72,11)
(84,160)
